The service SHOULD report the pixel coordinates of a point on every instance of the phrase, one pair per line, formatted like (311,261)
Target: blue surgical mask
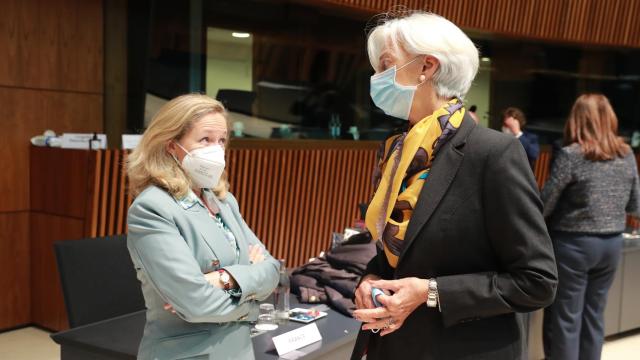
(392,98)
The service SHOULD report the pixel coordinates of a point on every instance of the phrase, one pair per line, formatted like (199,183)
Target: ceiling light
(241,35)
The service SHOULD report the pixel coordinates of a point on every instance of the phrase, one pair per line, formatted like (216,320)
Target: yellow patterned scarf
(404,164)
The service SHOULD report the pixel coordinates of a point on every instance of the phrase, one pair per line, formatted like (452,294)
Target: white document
(296,339)
(81,141)
(130,141)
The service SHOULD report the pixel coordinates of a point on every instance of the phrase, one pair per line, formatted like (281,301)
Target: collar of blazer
(230,219)
(443,171)
(189,200)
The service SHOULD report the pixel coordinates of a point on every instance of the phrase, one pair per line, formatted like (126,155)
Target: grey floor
(34,344)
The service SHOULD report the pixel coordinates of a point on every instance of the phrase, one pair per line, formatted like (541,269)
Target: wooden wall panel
(19,120)
(62,203)
(611,22)
(25,113)
(67,176)
(295,198)
(542,167)
(15,297)
(48,309)
(51,77)
(109,200)
(52,44)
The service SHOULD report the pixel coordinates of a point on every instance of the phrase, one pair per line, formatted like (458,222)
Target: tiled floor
(35,344)
(28,344)
(623,347)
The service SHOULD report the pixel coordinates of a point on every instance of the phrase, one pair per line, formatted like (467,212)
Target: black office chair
(98,279)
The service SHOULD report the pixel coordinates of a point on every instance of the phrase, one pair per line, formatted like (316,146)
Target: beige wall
(480,93)
(229,62)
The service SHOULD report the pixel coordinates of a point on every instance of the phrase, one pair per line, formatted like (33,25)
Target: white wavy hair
(420,33)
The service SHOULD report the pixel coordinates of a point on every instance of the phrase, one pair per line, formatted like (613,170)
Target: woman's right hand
(363,292)
(255,254)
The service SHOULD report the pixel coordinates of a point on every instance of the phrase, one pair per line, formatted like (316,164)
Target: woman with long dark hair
(593,185)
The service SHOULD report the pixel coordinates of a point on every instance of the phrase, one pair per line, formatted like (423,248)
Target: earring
(422,78)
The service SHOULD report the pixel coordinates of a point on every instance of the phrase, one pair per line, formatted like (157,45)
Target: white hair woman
(464,246)
(201,268)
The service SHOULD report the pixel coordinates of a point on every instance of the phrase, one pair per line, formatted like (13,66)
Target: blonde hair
(593,124)
(421,33)
(151,164)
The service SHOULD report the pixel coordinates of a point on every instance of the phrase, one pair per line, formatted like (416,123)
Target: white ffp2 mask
(204,165)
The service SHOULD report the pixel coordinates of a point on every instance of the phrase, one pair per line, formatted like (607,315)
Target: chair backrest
(98,279)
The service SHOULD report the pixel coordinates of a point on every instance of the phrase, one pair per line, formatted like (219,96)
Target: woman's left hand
(256,255)
(408,294)
(168,307)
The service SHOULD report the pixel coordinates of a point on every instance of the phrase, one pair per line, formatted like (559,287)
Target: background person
(513,122)
(592,186)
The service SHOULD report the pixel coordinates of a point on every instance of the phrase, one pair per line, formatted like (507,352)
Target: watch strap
(224,277)
(432,293)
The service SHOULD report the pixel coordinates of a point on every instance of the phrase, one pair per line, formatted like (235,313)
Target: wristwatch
(225,278)
(432,293)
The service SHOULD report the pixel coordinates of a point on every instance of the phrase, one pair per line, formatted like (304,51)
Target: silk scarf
(404,164)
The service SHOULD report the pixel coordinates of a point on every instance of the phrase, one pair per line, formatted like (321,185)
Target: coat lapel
(213,236)
(207,228)
(230,220)
(442,173)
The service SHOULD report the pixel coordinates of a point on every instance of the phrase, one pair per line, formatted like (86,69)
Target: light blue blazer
(173,243)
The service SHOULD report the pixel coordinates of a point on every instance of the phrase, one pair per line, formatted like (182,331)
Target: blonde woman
(201,267)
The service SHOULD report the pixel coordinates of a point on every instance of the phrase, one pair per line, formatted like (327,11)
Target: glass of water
(266,320)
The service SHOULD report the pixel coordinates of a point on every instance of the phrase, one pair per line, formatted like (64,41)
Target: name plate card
(81,141)
(296,339)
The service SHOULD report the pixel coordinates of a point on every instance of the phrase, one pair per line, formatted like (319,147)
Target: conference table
(118,338)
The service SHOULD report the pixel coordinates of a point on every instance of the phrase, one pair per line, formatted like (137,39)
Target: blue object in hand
(374,296)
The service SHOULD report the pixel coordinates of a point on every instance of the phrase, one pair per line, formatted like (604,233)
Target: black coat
(478,229)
